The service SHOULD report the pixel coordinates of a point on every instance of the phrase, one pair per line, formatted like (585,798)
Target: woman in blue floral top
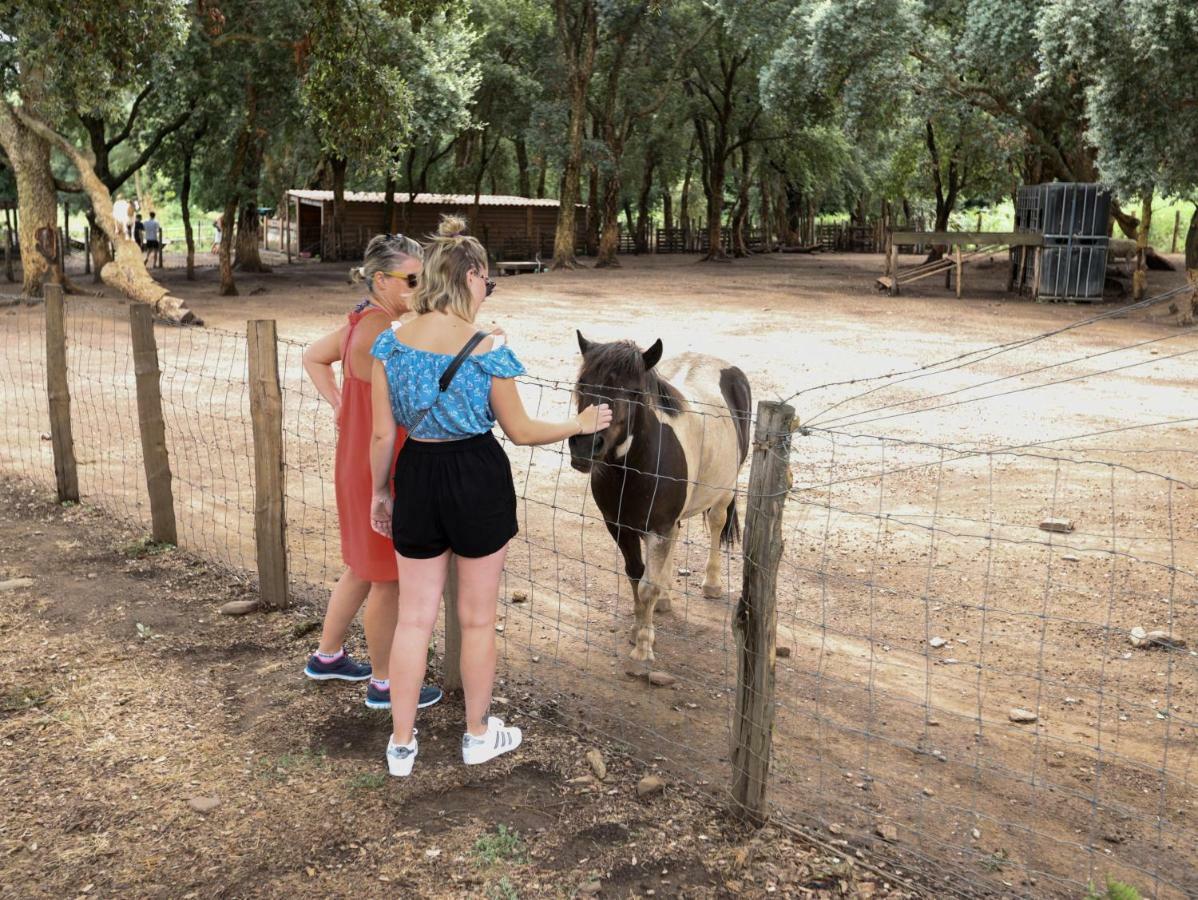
(454,481)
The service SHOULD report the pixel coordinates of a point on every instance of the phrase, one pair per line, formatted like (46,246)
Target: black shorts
(151,245)
(453,495)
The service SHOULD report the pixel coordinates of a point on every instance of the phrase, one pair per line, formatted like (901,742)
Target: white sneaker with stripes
(400,759)
(497,740)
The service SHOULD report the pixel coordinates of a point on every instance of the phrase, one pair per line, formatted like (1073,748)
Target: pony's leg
(654,586)
(713,589)
(629,543)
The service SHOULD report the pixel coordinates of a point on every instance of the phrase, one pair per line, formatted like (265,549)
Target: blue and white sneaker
(341,669)
(497,740)
(400,759)
(380,698)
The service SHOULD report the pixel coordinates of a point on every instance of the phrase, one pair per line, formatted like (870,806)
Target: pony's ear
(583,344)
(652,356)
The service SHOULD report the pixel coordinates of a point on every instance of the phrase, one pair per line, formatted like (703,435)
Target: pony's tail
(731,533)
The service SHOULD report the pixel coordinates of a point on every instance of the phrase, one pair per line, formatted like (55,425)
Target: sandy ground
(920,602)
(153,748)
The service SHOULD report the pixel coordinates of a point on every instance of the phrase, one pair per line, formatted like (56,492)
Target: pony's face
(614,374)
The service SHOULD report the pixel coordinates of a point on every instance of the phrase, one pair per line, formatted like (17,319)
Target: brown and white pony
(678,438)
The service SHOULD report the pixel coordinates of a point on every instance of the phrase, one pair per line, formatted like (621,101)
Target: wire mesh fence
(958,684)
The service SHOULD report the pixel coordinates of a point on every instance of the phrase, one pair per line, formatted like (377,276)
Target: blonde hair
(449,257)
(384,253)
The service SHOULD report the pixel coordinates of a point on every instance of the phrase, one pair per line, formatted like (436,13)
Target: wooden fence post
(452,668)
(1176,228)
(960,267)
(266,412)
(892,253)
(151,424)
(66,473)
(756,623)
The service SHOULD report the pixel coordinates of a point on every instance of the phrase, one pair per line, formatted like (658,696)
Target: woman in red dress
(389,270)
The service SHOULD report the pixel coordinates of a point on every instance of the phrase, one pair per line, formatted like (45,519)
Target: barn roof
(429,199)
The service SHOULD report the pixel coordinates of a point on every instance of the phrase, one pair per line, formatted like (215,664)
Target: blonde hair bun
(451,227)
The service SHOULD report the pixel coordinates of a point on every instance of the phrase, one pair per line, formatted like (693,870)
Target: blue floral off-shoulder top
(462,411)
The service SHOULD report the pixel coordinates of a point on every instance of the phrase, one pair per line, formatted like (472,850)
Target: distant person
(445,383)
(153,234)
(216,238)
(139,232)
(389,271)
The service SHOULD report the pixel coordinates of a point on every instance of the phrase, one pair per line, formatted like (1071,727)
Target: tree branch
(128,129)
(149,150)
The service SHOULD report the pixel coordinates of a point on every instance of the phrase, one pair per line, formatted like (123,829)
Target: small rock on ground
(203,804)
(238,607)
(782,652)
(1022,716)
(937,642)
(649,785)
(13,584)
(1060,526)
(598,766)
(519,597)
(662,679)
(887,832)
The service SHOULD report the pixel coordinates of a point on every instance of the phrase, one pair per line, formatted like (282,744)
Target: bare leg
(716,517)
(348,595)
(421,582)
(478,588)
(378,621)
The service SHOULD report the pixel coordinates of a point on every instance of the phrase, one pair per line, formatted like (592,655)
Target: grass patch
(501,845)
(290,763)
(367,781)
(20,698)
(503,890)
(144,547)
(1115,890)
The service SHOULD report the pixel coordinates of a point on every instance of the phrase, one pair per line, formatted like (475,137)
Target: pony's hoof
(664,604)
(641,655)
(713,591)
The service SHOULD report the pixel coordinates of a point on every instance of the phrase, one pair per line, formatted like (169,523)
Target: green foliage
(1115,890)
(503,890)
(367,781)
(501,845)
(357,102)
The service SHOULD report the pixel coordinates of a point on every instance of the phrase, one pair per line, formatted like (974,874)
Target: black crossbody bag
(448,375)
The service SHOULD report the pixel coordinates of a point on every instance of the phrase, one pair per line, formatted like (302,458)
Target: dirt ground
(153,748)
(919,600)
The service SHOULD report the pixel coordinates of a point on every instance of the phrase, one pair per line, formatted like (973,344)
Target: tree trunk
(740,212)
(767,237)
(29,157)
(714,184)
(1187,317)
(684,199)
(338,165)
(642,207)
(525,186)
(388,205)
(609,241)
(228,287)
(594,214)
(541,180)
(100,249)
(127,272)
(580,42)
(1139,282)
(667,206)
(185,205)
(249,233)
(946,194)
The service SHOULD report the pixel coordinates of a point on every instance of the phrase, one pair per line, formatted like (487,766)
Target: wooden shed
(509,227)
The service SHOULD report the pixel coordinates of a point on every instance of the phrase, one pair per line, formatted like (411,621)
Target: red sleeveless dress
(368,554)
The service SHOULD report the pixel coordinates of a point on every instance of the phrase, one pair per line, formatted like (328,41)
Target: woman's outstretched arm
(525,431)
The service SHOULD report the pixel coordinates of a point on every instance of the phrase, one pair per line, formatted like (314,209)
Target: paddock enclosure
(985,498)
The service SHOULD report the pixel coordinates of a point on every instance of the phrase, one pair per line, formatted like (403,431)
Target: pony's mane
(624,360)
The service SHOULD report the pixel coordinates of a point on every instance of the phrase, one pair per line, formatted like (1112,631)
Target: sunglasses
(489,282)
(410,276)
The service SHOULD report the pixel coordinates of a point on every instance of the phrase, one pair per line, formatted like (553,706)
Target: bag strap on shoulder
(448,375)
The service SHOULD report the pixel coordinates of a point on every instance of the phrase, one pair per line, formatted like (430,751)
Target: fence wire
(957,693)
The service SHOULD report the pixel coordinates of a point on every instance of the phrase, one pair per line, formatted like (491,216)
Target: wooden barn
(509,227)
